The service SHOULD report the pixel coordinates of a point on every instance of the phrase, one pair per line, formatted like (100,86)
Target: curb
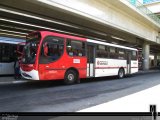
(25,81)
(146,72)
(13,82)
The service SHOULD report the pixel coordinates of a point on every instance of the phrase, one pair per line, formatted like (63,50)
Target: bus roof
(62,35)
(83,39)
(109,44)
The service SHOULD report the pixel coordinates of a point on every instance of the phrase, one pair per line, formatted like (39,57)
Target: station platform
(137,102)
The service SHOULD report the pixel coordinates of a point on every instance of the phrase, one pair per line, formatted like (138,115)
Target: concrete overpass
(112,20)
(154,7)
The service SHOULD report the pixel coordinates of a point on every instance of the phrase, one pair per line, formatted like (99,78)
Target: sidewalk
(137,102)
(10,79)
(147,71)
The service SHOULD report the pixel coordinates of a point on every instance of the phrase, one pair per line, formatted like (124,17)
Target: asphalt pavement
(136,102)
(53,96)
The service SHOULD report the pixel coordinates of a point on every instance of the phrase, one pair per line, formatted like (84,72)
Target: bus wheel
(121,73)
(70,77)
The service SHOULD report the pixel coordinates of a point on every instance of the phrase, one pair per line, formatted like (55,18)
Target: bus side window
(75,48)
(134,55)
(112,52)
(102,51)
(52,49)
(69,49)
(121,54)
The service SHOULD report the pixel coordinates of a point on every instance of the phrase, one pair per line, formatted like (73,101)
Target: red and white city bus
(56,56)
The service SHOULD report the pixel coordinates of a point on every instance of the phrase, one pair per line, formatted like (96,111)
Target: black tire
(121,73)
(70,77)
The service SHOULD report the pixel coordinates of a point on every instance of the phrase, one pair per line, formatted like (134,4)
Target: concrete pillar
(155,60)
(146,52)
(158,60)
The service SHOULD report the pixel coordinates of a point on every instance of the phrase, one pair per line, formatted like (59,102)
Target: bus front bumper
(32,75)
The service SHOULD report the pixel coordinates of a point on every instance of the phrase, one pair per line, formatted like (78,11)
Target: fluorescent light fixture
(36,17)
(118,38)
(13,27)
(134,45)
(114,43)
(32,25)
(52,2)
(13,31)
(38,26)
(8,34)
(100,39)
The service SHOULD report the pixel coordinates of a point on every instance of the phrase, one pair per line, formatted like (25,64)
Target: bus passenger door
(90,60)
(128,62)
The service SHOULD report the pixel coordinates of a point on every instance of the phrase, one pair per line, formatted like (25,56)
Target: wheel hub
(121,73)
(70,77)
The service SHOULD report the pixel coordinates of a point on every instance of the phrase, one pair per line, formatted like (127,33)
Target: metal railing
(143,9)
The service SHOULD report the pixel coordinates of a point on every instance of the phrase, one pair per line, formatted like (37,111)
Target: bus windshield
(30,49)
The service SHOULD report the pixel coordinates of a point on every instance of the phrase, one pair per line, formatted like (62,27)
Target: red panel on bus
(56,70)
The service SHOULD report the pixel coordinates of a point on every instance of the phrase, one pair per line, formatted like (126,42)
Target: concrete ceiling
(20,17)
(61,20)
